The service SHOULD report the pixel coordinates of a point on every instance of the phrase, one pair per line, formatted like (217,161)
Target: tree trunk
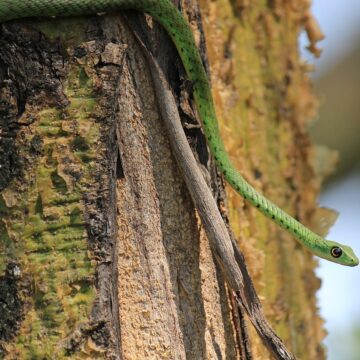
(102,254)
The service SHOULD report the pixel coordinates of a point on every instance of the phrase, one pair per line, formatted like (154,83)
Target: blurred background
(337,83)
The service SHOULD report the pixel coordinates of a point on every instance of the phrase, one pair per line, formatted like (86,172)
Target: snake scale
(165,13)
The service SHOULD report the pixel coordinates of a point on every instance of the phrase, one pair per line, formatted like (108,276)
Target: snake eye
(336,252)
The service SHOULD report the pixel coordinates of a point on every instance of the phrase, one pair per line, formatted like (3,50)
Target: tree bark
(102,254)
(264,101)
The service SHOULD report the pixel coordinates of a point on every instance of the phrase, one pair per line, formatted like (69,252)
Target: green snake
(165,13)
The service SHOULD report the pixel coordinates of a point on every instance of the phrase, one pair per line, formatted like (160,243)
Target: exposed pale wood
(215,228)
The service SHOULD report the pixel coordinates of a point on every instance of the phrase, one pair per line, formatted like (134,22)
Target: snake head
(340,254)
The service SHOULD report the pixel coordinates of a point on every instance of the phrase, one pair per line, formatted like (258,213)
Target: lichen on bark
(264,101)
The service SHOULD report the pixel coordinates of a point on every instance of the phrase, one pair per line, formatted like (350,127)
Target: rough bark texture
(264,101)
(102,254)
(57,202)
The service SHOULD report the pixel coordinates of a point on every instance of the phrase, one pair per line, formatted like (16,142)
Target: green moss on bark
(42,225)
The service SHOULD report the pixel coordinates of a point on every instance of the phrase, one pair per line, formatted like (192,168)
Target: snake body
(165,13)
